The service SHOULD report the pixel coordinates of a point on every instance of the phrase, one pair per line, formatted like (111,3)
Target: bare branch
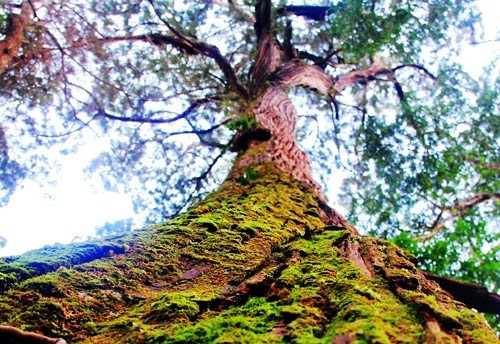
(268,52)
(490,165)
(192,108)
(296,73)
(189,47)
(457,210)
(200,133)
(288,48)
(198,180)
(421,68)
(264,18)
(356,76)
(194,47)
(474,42)
(322,62)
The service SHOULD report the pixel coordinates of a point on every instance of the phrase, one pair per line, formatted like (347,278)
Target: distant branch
(317,13)
(489,165)
(486,41)
(192,108)
(198,181)
(200,133)
(423,69)
(190,47)
(457,210)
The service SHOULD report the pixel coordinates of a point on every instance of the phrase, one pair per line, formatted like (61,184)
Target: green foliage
(470,252)
(3,24)
(248,176)
(363,29)
(243,123)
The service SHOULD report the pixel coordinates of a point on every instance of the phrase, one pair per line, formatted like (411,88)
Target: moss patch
(251,263)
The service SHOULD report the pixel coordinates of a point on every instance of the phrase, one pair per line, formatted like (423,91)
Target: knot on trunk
(243,139)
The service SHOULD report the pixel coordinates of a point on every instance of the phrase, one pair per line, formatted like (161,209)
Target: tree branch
(421,68)
(296,73)
(268,52)
(322,62)
(287,41)
(356,76)
(198,180)
(192,108)
(317,13)
(457,210)
(208,50)
(200,133)
(264,18)
(190,47)
(473,295)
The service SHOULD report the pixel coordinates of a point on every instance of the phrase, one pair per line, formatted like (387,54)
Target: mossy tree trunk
(261,260)
(254,262)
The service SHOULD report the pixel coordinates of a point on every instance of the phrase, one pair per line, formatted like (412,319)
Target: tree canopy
(167,84)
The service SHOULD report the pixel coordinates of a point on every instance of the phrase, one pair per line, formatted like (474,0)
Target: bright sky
(72,211)
(76,206)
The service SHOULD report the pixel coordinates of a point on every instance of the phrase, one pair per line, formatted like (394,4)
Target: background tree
(125,69)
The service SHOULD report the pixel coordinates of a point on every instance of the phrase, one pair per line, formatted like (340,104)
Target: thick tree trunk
(253,262)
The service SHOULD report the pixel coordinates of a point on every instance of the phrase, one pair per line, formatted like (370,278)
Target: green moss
(172,305)
(252,323)
(237,267)
(34,263)
(47,317)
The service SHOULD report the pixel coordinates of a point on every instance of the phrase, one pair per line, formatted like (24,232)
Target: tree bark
(253,262)
(11,44)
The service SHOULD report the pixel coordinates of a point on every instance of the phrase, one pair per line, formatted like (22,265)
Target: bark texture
(11,44)
(254,262)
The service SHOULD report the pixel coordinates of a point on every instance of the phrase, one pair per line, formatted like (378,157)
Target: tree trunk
(253,262)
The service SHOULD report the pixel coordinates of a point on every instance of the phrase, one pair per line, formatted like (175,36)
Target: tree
(263,258)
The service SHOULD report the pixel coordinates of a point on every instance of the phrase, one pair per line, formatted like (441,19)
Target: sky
(75,207)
